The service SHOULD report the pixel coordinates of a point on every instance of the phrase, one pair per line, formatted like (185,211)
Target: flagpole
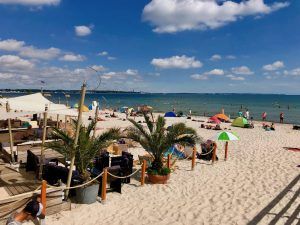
(11,142)
(83,89)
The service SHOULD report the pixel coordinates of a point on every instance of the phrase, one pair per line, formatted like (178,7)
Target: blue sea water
(200,104)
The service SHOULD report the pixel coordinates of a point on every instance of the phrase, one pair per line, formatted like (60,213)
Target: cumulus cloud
(237,78)
(170,16)
(121,75)
(72,58)
(205,76)
(82,30)
(11,44)
(30,2)
(274,66)
(215,57)
(176,62)
(293,72)
(36,53)
(242,70)
(14,62)
(217,72)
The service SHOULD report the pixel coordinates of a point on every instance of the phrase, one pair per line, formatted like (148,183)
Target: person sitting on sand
(32,211)
(272,127)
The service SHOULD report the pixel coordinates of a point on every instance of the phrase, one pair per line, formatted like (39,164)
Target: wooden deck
(16,189)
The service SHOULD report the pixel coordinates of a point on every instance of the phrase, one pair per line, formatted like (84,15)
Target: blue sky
(154,45)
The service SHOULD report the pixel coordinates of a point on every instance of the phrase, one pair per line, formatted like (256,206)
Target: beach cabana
(240,122)
(170,114)
(222,117)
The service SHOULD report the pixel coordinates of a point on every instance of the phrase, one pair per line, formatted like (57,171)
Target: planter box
(87,195)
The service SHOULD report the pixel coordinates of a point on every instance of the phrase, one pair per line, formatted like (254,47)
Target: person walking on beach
(32,211)
(240,113)
(281,116)
(264,116)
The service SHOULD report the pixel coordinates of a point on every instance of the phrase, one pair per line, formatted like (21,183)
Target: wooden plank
(19,188)
(13,190)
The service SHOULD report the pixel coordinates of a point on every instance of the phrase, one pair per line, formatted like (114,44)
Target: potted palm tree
(156,139)
(86,150)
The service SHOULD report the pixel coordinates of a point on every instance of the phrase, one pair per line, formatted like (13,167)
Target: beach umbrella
(215,120)
(225,136)
(222,116)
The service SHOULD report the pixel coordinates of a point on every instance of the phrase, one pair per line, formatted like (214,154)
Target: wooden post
(169,161)
(43,143)
(57,121)
(40,118)
(214,153)
(104,181)
(143,175)
(83,89)
(226,150)
(44,195)
(11,141)
(194,158)
(96,120)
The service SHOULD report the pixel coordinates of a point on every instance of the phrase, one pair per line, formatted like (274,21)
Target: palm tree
(157,139)
(87,147)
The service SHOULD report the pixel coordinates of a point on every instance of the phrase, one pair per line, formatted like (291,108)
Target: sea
(199,104)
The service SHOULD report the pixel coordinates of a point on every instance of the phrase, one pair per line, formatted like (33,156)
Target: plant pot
(88,194)
(158,179)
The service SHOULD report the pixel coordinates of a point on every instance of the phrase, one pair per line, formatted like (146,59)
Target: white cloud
(170,16)
(6,76)
(237,78)
(82,30)
(11,45)
(199,77)
(230,57)
(98,68)
(31,2)
(123,75)
(294,72)
(242,70)
(205,76)
(36,53)
(104,53)
(217,72)
(215,57)
(72,58)
(179,62)
(274,66)
(14,62)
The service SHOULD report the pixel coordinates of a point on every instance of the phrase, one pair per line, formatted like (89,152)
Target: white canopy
(35,103)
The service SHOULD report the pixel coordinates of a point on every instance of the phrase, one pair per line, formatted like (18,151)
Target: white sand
(231,192)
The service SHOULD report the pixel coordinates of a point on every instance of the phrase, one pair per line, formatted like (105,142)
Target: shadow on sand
(266,211)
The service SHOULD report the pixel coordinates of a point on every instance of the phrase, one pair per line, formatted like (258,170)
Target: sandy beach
(242,190)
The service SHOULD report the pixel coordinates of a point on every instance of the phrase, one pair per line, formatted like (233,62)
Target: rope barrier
(124,176)
(78,186)
(207,152)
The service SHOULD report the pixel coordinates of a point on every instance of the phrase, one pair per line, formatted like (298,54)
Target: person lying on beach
(32,211)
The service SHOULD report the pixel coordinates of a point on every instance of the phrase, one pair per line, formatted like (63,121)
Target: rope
(124,176)
(207,152)
(20,200)
(78,186)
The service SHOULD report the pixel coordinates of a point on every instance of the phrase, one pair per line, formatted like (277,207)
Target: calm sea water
(200,104)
